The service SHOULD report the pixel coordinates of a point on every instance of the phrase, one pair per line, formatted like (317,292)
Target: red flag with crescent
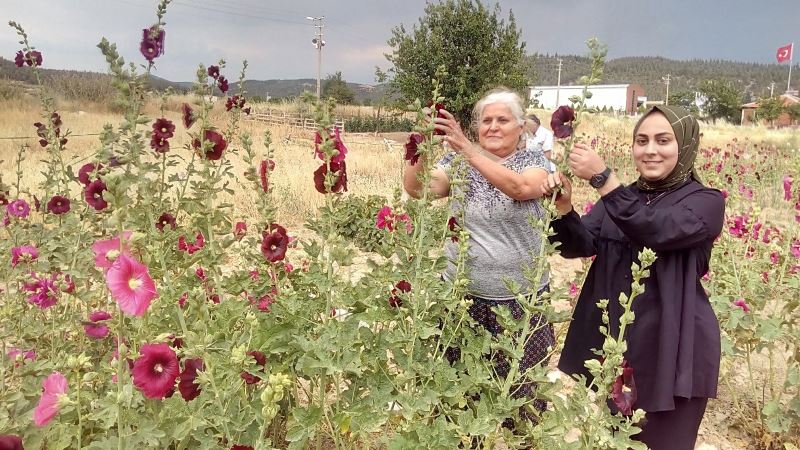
(784,53)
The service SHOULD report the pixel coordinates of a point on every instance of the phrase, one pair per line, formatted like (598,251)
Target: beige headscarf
(687,133)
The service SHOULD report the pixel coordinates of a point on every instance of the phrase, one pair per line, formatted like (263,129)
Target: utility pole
(318,43)
(558,86)
(666,81)
(771,89)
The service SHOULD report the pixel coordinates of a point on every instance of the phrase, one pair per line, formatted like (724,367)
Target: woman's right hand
(559,183)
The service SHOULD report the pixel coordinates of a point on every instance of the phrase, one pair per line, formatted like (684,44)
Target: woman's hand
(557,182)
(453,134)
(585,162)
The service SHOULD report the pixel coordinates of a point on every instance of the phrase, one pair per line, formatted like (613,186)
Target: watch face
(597,180)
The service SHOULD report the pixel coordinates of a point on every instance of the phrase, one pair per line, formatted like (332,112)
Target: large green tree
(723,100)
(769,109)
(478,49)
(334,86)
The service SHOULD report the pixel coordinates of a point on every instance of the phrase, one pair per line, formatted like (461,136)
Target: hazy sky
(275,37)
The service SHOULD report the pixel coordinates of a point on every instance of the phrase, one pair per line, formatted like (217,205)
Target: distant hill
(751,78)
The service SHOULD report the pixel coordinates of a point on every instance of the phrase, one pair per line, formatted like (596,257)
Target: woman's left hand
(585,162)
(453,134)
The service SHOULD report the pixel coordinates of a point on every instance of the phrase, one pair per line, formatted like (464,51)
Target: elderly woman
(502,192)
(674,341)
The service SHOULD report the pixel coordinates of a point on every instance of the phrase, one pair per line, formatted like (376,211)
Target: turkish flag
(784,53)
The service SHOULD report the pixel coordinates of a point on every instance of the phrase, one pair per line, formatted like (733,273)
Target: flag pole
(791,56)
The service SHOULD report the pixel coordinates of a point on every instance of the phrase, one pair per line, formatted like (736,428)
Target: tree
(769,109)
(687,99)
(337,88)
(723,100)
(794,111)
(478,50)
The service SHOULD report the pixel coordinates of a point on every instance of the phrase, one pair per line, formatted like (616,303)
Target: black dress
(674,341)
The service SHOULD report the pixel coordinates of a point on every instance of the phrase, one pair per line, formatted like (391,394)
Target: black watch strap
(598,180)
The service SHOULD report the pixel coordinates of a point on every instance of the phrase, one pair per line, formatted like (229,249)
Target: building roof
(787,99)
(593,86)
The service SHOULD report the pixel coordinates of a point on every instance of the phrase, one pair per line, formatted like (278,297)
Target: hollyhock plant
(573,290)
(338,144)
(187,115)
(237,101)
(241,447)
(218,145)
(437,109)
(107,251)
(95,327)
(274,243)
(213,72)
(222,84)
(24,355)
(187,385)
(43,291)
(32,58)
(190,248)
(741,303)
(623,391)
(54,388)
(155,371)
(58,204)
(794,249)
(412,147)
(93,193)
(163,128)
(159,145)
(339,171)
(261,360)
(164,220)
(24,254)
(452,225)
(384,219)
(403,286)
(11,442)
(561,121)
(19,59)
(264,169)
(240,230)
(18,208)
(587,208)
(130,285)
(86,170)
(787,188)
(152,45)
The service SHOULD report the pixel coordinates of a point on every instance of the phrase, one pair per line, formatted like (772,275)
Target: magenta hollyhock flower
(240,230)
(93,194)
(213,72)
(774,258)
(738,229)
(338,145)
(218,145)
(274,243)
(794,249)
(163,128)
(412,146)
(787,188)
(187,386)
(107,251)
(182,299)
(407,220)
(152,45)
(19,59)
(264,169)
(437,109)
(222,84)
(58,204)
(18,208)
(86,170)
(54,387)
(261,360)
(11,442)
(190,248)
(164,220)
(724,193)
(24,355)
(741,303)
(385,219)
(623,391)
(155,371)
(187,115)
(23,253)
(200,273)
(573,290)
(43,291)
(130,285)
(587,208)
(561,121)
(95,328)
(339,171)
(67,285)
(452,225)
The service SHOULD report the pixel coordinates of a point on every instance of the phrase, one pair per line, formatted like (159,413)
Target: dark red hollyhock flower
(4,198)
(339,171)
(414,139)
(93,193)
(561,121)
(213,72)
(41,131)
(155,371)
(159,145)
(56,119)
(36,203)
(403,286)
(19,59)
(12,442)
(188,115)
(237,101)
(274,243)
(438,108)
(623,392)
(237,447)
(164,220)
(240,230)
(261,360)
(188,388)
(34,58)
(85,171)
(222,84)
(219,144)
(336,137)
(163,128)
(58,204)
(152,45)
(266,166)
(454,227)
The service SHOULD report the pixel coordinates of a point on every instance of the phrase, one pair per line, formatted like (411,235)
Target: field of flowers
(190,279)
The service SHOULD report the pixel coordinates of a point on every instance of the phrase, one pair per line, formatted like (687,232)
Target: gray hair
(534,119)
(501,95)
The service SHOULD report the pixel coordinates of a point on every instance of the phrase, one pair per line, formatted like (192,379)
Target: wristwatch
(599,179)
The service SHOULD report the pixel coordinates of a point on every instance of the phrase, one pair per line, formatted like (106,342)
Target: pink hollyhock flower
(739,302)
(107,251)
(164,220)
(587,208)
(384,220)
(155,371)
(18,208)
(44,292)
(58,204)
(263,172)
(240,230)
(187,114)
(222,84)
(152,45)
(182,300)
(795,248)
(274,243)
(407,220)
(724,193)
(93,194)
(190,248)
(23,253)
(787,188)
(214,151)
(756,229)
(573,290)
(452,225)
(339,171)
(561,121)
(200,273)
(13,442)
(130,285)
(55,387)
(163,128)
(774,258)
(24,355)
(738,229)
(261,360)
(623,391)
(765,277)
(707,276)
(187,386)
(412,147)
(718,167)
(746,192)
(95,328)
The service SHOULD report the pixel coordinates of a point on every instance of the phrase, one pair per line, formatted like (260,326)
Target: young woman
(674,341)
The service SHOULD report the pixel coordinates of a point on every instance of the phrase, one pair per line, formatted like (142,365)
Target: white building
(624,98)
